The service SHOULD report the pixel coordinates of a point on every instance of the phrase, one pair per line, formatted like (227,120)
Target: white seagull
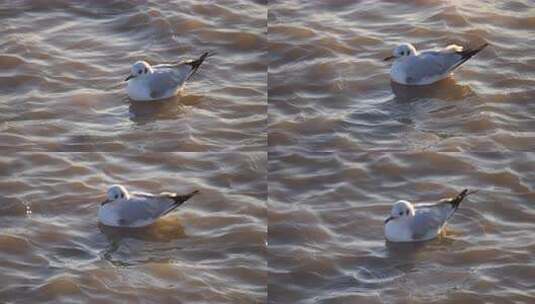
(421,222)
(137,209)
(412,67)
(160,81)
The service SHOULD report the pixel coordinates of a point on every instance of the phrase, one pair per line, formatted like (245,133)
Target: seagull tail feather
(467,54)
(195,64)
(180,199)
(456,201)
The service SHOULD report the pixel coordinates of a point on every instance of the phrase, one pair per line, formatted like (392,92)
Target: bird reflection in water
(447,89)
(143,112)
(126,245)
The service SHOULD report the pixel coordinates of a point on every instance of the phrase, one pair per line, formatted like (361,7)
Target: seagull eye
(140,71)
(146,70)
(116,196)
(401,213)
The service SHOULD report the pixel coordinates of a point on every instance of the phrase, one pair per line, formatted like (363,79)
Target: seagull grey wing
(445,207)
(427,65)
(163,83)
(138,212)
(168,201)
(440,210)
(183,71)
(180,70)
(448,60)
(425,225)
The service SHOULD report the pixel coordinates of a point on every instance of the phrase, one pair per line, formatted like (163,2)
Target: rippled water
(292,132)
(63,65)
(211,250)
(330,90)
(326,242)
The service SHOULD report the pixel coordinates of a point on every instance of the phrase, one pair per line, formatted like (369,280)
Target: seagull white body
(137,209)
(412,67)
(160,81)
(421,222)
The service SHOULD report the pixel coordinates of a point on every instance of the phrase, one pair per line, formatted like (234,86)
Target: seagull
(147,82)
(137,209)
(421,222)
(411,67)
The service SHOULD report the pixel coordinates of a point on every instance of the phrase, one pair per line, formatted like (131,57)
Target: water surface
(326,215)
(210,250)
(63,65)
(329,89)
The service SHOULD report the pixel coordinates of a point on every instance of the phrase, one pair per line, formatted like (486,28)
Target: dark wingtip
(197,63)
(459,198)
(180,199)
(203,56)
(468,53)
(480,48)
(189,195)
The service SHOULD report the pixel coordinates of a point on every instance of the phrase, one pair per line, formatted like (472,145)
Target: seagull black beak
(129,77)
(105,202)
(388,219)
(389,58)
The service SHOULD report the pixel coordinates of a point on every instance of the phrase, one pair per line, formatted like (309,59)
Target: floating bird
(411,67)
(137,209)
(160,81)
(421,222)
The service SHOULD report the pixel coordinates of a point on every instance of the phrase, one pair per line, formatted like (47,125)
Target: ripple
(212,250)
(70,65)
(326,216)
(329,67)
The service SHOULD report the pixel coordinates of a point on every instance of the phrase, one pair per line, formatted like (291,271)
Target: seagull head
(114,193)
(403,50)
(139,69)
(400,210)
